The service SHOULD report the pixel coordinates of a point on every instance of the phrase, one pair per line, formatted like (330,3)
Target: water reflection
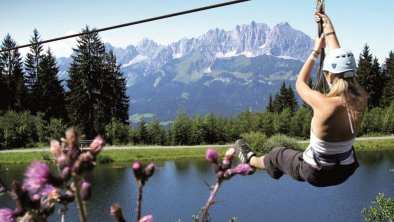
(177,191)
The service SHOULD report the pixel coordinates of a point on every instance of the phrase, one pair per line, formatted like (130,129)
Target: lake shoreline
(162,154)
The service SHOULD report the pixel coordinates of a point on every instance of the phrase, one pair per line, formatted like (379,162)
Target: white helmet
(340,61)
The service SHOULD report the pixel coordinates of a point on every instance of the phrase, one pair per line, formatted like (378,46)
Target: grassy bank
(128,155)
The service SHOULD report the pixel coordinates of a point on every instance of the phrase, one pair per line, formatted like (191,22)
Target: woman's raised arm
(329,30)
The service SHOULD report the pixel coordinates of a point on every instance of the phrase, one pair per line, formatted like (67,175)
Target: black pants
(288,161)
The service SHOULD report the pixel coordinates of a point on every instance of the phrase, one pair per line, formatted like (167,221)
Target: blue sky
(357,21)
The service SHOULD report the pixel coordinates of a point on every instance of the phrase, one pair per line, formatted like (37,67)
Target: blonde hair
(353,94)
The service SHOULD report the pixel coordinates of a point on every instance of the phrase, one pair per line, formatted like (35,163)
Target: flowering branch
(223,172)
(142,176)
(41,189)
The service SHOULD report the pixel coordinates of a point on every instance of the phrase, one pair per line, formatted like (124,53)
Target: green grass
(158,154)
(20,158)
(119,156)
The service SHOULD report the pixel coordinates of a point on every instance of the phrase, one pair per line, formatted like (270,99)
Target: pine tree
(285,98)
(370,77)
(13,76)
(280,97)
(270,105)
(33,72)
(115,90)
(290,99)
(182,129)
(388,91)
(52,95)
(143,136)
(87,72)
(3,90)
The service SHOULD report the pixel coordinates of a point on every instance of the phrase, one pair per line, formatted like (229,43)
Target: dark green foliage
(255,140)
(117,132)
(114,90)
(182,129)
(284,99)
(85,84)
(388,91)
(214,131)
(388,120)
(97,88)
(373,121)
(370,77)
(382,210)
(282,122)
(270,105)
(300,123)
(19,130)
(103,159)
(33,73)
(142,133)
(50,92)
(156,135)
(48,130)
(13,95)
(266,123)
(280,140)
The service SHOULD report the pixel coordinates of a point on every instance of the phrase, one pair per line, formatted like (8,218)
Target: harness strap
(334,158)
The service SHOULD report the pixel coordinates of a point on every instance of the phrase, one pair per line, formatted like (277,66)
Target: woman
(330,158)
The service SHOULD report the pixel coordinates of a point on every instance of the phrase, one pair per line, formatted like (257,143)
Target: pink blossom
(97,144)
(149,170)
(56,149)
(229,153)
(148,218)
(7,215)
(242,169)
(86,190)
(212,155)
(36,176)
(137,169)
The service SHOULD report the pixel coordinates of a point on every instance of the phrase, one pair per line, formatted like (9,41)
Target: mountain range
(225,72)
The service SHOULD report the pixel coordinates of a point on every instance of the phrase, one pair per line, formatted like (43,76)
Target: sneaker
(244,152)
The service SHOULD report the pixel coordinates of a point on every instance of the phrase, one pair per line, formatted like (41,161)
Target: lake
(177,191)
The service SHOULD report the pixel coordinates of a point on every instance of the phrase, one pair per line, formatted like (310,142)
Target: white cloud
(63,48)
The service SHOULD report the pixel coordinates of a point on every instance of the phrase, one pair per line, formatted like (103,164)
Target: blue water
(177,191)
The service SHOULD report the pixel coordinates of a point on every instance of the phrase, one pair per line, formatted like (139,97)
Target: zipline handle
(319,77)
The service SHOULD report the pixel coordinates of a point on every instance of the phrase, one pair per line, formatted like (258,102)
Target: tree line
(96,89)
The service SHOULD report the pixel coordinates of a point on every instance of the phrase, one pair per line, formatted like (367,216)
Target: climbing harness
(130,23)
(320,80)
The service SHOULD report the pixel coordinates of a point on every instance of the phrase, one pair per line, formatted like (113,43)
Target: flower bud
(137,169)
(66,173)
(149,170)
(85,190)
(56,149)
(116,211)
(148,218)
(68,196)
(62,160)
(212,155)
(7,215)
(97,145)
(241,169)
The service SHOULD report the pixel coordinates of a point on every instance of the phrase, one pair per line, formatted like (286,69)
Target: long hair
(353,94)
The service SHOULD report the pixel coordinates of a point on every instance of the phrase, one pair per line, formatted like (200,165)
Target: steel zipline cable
(130,23)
